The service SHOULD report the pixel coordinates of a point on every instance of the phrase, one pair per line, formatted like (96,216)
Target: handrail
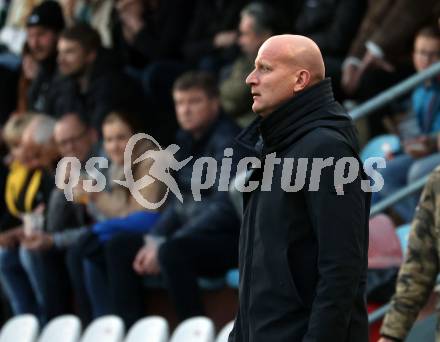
(378,314)
(398,195)
(397,90)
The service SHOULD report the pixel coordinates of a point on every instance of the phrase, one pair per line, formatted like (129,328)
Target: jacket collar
(312,108)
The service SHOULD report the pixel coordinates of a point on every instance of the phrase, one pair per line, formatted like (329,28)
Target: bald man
(303,249)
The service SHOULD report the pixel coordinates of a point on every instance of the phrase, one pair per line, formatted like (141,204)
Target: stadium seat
(380,145)
(63,328)
(22,328)
(195,329)
(224,333)
(106,328)
(232,278)
(149,329)
(384,246)
(403,234)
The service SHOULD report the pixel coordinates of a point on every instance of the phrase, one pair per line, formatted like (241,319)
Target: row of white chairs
(24,328)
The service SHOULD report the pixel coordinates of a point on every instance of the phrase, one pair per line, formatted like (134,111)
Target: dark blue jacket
(215,212)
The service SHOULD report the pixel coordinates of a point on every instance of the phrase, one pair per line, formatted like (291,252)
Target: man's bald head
(298,51)
(285,66)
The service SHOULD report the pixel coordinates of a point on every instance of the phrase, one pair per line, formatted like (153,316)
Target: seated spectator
(258,22)
(380,55)
(381,50)
(420,146)
(150,31)
(418,274)
(96,13)
(28,287)
(67,221)
(149,36)
(113,211)
(333,26)
(212,36)
(93,84)
(191,238)
(43,28)
(13,33)
(28,73)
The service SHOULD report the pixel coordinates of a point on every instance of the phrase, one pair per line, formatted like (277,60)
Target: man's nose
(251,78)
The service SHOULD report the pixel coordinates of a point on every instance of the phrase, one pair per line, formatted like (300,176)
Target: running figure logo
(163,161)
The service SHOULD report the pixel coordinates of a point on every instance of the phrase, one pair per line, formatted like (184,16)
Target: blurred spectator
(191,238)
(333,26)
(30,181)
(96,13)
(212,36)
(28,73)
(13,34)
(380,55)
(151,30)
(258,22)
(43,27)
(149,34)
(66,221)
(115,210)
(93,83)
(422,126)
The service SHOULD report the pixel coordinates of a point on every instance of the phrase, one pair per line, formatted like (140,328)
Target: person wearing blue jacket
(420,145)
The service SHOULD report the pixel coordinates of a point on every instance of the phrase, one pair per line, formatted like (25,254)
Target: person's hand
(419,147)
(11,238)
(146,261)
(80,196)
(351,75)
(38,242)
(225,39)
(372,61)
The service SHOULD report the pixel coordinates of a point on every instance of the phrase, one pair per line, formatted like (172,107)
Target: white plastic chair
(195,329)
(22,328)
(65,328)
(151,329)
(104,329)
(224,333)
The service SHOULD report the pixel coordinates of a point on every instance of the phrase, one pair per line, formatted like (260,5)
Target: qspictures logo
(207,173)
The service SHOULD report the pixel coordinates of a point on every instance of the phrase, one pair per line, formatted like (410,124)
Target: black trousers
(182,261)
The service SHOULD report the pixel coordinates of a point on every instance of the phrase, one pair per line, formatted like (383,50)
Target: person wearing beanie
(44,24)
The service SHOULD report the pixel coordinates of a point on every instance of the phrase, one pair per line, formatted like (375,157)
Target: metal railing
(398,195)
(390,94)
(378,314)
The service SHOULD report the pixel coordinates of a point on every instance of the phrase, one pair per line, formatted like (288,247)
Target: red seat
(384,250)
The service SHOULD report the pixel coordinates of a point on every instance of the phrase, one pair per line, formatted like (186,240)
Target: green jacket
(418,274)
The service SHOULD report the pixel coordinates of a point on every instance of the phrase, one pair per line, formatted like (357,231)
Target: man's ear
(302,80)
